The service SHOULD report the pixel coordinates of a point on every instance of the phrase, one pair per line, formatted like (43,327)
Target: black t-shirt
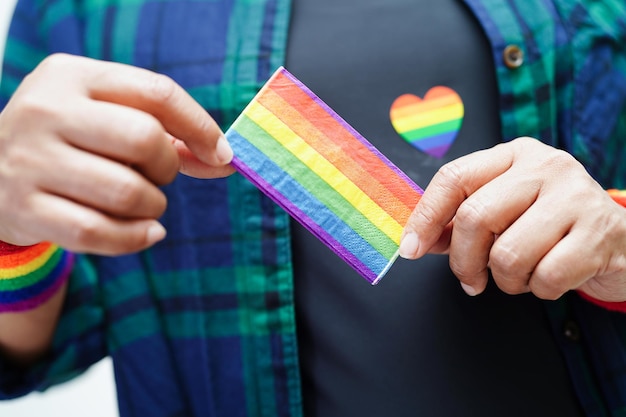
(415,344)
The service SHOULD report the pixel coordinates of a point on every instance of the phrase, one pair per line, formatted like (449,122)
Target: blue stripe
(443,139)
(317,212)
(172,305)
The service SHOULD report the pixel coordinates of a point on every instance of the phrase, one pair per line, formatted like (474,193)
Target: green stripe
(189,324)
(87,315)
(8,85)
(168,284)
(131,328)
(21,56)
(316,186)
(433,130)
(94,32)
(208,96)
(256,277)
(33,277)
(55,12)
(126,22)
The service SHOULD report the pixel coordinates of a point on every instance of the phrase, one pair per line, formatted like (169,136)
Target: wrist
(619,196)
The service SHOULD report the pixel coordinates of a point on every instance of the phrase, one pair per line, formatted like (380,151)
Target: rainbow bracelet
(30,275)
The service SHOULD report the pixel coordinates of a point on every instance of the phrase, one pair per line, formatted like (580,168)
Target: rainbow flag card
(327,176)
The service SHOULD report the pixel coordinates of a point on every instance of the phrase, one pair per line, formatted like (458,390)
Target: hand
(529,213)
(84,146)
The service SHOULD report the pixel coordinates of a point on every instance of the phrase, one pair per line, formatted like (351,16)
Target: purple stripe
(305,220)
(351,130)
(438,151)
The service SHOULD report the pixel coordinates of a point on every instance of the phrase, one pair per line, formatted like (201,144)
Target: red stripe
(619,306)
(350,147)
(22,257)
(7,248)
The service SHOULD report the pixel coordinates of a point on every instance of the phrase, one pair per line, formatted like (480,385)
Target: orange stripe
(339,146)
(619,196)
(24,257)
(320,144)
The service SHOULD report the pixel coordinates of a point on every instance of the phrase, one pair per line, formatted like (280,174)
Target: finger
(442,245)
(80,229)
(566,266)
(590,249)
(453,183)
(518,250)
(160,96)
(101,184)
(124,134)
(485,214)
(192,166)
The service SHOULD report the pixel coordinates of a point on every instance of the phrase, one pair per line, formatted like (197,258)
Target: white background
(93,393)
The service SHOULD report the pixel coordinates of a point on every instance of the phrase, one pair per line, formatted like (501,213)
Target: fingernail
(409,245)
(155,233)
(223,151)
(469,290)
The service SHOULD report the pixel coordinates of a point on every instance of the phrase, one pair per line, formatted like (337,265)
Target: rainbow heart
(432,124)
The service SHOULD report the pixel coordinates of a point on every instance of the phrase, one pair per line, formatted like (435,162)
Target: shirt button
(571,331)
(513,56)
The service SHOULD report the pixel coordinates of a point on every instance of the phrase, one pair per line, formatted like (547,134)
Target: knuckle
(471,215)
(509,289)
(31,107)
(510,286)
(424,213)
(143,133)
(548,285)
(158,205)
(506,259)
(14,162)
(525,141)
(161,88)
(93,234)
(125,195)
(508,269)
(55,61)
(461,271)
(450,175)
(85,232)
(560,159)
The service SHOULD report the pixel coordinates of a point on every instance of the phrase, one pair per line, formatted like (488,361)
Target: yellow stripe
(35,264)
(429,118)
(618,193)
(325,170)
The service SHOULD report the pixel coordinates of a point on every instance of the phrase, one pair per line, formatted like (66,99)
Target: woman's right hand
(84,145)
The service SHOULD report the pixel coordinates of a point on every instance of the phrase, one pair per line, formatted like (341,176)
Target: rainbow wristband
(619,196)
(30,275)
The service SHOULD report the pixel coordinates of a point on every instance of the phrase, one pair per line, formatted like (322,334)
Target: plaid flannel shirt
(203,323)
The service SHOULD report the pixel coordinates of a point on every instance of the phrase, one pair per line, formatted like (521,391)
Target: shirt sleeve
(78,343)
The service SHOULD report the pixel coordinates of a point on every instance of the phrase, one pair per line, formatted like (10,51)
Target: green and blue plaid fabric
(203,323)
